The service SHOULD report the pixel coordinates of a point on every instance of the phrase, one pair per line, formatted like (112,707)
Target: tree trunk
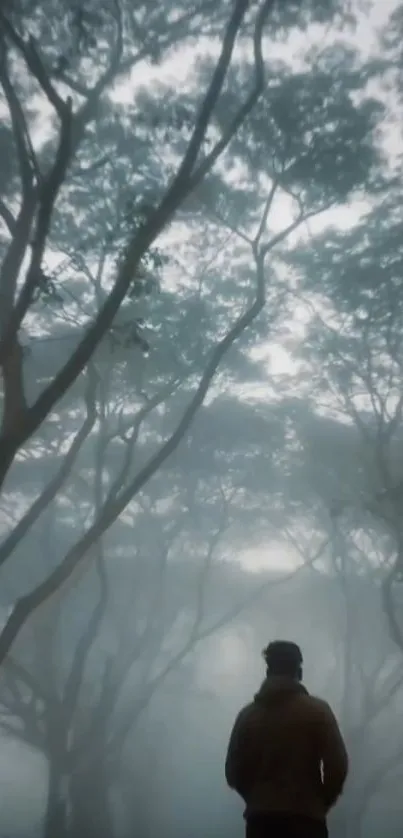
(8,451)
(55,820)
(91,814)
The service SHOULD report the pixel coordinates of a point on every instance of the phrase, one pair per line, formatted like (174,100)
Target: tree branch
(72,128)
(266,211)
(49,492)
(34,63)
(29,603)
(12,263)
(23,675)
(113,508)
(75,678)
(142,239)
(379,774)
(20,228)
(283,234)
(388,604)
(26,734)
(207,164)
(7,217)
(19,128)
(197,636)
(48,193)
(209,103)
(114,64)
(135,427)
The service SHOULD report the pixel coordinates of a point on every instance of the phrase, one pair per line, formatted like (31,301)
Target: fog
(201,366)
(169,774)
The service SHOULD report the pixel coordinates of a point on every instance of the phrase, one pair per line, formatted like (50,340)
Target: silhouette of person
(286,756)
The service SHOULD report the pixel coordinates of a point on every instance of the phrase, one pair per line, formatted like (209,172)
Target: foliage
(123,499)
(111,197)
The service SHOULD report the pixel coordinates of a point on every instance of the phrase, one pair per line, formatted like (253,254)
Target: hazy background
(279,512)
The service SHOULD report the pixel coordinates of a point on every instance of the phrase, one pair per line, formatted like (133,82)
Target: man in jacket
(286,756)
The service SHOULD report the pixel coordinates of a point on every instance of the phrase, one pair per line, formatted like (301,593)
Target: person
(286,756)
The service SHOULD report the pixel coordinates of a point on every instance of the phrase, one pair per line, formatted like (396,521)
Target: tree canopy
(200,358)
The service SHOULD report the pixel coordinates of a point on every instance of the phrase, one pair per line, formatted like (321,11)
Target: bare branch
(28,604)
(208,105)
(92,167)
(15,405)
(34,63)
(135,426)
(38,69)
(195,639)
(27,735)
(93,95)
(266,212)
(309,558)
(378,703)
(283,234)
(207,164)
(96,731)
(388,603)
(70,134)
(380,773)
(7,217)
(179,190)
(197,636)
(49,492)
(114,63)
(75,678)
(233,229)
(112,509)
(19,128)
(24,676)
(47,196)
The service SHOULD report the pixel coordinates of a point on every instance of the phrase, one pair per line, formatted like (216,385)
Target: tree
(355,347)
(350,289)
(40,193)
(269,155)
(370,673)
(352,661)
(84,675)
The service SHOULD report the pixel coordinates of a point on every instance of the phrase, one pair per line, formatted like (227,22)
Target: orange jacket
(286,752)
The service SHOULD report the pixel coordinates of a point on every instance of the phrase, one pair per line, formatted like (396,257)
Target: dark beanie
(283,657)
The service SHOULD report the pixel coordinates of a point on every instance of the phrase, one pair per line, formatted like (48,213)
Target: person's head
(283,658)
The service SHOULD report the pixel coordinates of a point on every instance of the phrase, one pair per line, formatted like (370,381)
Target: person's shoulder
(319,707)
(246,715)
(246,711)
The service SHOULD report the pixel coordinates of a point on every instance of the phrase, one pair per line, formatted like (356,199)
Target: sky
(172,69)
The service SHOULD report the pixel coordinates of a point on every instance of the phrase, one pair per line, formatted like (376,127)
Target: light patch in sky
(172,69)
(276,556)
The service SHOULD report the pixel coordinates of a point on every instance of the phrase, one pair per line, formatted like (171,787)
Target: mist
(201,366)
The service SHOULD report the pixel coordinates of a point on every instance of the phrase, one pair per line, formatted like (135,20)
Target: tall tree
(282,138)
(353,352)
(44,182)
(81,679)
